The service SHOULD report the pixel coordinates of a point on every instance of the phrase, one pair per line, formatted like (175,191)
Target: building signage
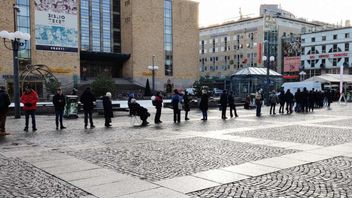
(56,26)
(338,55)
(292,64)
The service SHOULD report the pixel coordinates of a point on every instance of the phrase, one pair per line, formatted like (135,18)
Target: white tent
(330,78)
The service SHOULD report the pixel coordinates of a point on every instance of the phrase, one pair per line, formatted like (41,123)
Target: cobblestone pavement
(168,159)
(21,179)
(302,134)
(338,123)
(328,178)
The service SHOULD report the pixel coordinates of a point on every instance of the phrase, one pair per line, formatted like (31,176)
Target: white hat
(133,100)
(108,94)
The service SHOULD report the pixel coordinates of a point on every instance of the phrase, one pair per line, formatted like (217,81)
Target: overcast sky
(217,11)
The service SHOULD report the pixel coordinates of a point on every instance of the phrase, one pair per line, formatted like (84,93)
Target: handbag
(179,105)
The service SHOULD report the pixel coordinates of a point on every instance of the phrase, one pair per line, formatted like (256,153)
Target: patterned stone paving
(347,123)
(167,159)
(302,134)
(21,179)
(328,178)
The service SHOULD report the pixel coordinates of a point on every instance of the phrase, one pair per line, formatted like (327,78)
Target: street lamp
(18,42)
(153,67)
(268,62)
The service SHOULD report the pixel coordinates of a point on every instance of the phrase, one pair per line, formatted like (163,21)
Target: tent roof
(330,78)
(255,71)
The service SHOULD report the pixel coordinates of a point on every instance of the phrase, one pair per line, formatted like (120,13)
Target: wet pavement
(298,155)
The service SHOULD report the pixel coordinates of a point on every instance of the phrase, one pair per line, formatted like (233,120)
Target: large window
(84,24)
(23,25)
(168,41)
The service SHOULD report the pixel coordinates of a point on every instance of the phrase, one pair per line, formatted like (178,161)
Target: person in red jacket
(29,100)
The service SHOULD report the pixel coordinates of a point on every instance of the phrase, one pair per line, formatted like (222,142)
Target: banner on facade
(292,64)
(56,27)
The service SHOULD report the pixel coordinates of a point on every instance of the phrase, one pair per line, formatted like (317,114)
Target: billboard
(56,26)
(292,64)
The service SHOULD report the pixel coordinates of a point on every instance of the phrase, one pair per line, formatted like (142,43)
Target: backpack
(154,102)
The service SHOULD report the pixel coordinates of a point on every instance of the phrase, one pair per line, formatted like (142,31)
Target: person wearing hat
(108,114)
(59,105)
(29,100)
(4,108)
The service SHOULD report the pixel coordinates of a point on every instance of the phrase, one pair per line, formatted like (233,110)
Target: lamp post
(153,67)
(18,42)
(268,62)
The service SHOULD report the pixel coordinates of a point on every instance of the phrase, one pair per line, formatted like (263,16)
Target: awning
(104,56)
(330,78)
(256,71)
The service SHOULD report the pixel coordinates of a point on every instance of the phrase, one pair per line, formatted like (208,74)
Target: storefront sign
(292,64)
(56,26)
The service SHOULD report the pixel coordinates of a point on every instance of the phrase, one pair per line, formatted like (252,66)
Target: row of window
(335,48)
(323,38)
(225,67)
(228,58)
(334,62)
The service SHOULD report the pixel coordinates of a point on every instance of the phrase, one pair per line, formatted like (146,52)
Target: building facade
(167,30)
(226,48)
(326,51)
(80,39)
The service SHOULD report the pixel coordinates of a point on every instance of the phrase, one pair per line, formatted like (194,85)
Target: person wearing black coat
(59,104)
(282,101)
(223,104)
(158,101)
(4,108)
(138,110)
(203,105)
(289,101)
(107,104)
(186,101)
(305,100)
(88,99)
(232,105)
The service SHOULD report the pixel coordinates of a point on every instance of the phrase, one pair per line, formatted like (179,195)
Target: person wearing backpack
(4,108)
(177,106)
(273,99)
(158,103)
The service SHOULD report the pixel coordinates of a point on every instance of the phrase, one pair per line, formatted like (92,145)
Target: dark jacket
(186,101)
(223,100)
(87,99)
(4,101)
(175,100)
(289,97)
(59,102)
(231,99)
(282,98)
(107,107)
(158,102)
(204,100)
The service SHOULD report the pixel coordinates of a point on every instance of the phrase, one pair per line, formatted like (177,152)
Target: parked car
(217,91)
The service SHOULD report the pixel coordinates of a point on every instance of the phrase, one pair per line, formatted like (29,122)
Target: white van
(293,86)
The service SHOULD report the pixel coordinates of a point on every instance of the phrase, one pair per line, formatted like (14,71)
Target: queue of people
(301,102)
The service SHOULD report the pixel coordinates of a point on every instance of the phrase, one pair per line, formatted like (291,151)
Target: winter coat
(231,99)
(87,99)
(30,100)
(59,102)
(107,107)
(289,97)
(186,101)
(158,102)
(282,98)
(273,98)
(4,101)
(175,100)
(204,100)
(223,100)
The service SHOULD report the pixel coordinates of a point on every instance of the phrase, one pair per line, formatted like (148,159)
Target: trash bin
(71,107)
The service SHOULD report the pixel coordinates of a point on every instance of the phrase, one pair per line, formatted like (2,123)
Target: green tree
(51,85)
(201,83)
(103,84)
(147,91)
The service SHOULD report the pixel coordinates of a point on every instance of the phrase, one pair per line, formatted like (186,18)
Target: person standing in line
(329,97)
(158,101)
(312,98)
(186,101)
(108,114)
(59,105)
(258,102)
(130,97)
(88,99)
(30,99)
(232,105)
(289,101)
(223,104)
(177,106)
(305,100)
(4,108)
(282,100)
(203,105)
(273,99)
(298,99)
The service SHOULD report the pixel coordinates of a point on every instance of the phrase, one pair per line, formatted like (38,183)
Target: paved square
(327,178)
(302,134)
(21,179)
(167,159)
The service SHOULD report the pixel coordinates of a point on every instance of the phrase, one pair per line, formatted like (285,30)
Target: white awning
(255,71)
(330,78)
